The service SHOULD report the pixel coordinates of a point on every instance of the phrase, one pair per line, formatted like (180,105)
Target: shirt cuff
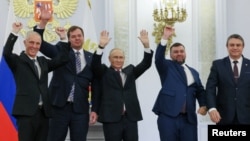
(164,42)
(14,33)
(99,51)
(64,40)
(38,27)
(211,109)
(148,50)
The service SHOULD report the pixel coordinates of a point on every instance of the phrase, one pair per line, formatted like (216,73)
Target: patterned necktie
(78,69)
(78,62)
(235,70)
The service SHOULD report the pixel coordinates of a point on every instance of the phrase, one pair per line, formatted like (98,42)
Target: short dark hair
(73,28)
(176,45)
(236,36)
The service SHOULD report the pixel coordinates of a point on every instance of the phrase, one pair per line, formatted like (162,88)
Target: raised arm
(161,48)
(144,38)
(8,47)
(47,49)
(104,39)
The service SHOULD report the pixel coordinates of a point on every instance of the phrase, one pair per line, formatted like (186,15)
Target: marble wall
(204,34)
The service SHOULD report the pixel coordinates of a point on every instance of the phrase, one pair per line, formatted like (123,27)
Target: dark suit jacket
(28,85)
(174,89)
(227,96)
(114,95)
(64,77)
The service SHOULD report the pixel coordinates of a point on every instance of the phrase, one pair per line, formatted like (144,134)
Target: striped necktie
(78,62)
(78,69)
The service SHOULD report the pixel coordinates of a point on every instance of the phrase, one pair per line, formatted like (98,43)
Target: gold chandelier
(167,12)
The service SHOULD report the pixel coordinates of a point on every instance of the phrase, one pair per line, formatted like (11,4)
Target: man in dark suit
(228,86)
(32,106)
(69,87)
(181,87)
(119,108)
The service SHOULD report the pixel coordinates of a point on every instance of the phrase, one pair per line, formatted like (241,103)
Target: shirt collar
(239,60)
(35,58)
(77,51)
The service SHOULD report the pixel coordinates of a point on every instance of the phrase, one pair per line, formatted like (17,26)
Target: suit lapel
(244,69)
(39,60)
(195,76)
(181,73)
(116,76)
(29,62)
(71,64)
(87,57)
(229,68)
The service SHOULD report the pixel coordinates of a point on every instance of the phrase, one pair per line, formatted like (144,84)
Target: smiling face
(116,58)
(178,53)
(32,43)
(76,37)
(235,48)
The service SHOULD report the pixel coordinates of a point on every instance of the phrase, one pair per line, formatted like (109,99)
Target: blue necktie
(78,62)
(78,69)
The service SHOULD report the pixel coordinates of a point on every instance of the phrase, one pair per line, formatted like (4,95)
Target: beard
(179,62)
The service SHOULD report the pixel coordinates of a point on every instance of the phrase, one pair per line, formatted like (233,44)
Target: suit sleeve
(46,48)
(200,93)
(144,64)
(211,87)
(160,57)
(95,95)
(61,58)
(98,70)
(7,50)
(97,67)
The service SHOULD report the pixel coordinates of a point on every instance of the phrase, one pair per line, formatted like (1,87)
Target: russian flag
(8,129)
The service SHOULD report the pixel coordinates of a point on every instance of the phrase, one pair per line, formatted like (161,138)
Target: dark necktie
(119,76)
(37,73)
(121,81)
(35,66)
(235,70)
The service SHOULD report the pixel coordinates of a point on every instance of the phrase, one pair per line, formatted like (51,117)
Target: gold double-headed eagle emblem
(29,10)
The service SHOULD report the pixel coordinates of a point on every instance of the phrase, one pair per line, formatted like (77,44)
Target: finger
(18,24)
